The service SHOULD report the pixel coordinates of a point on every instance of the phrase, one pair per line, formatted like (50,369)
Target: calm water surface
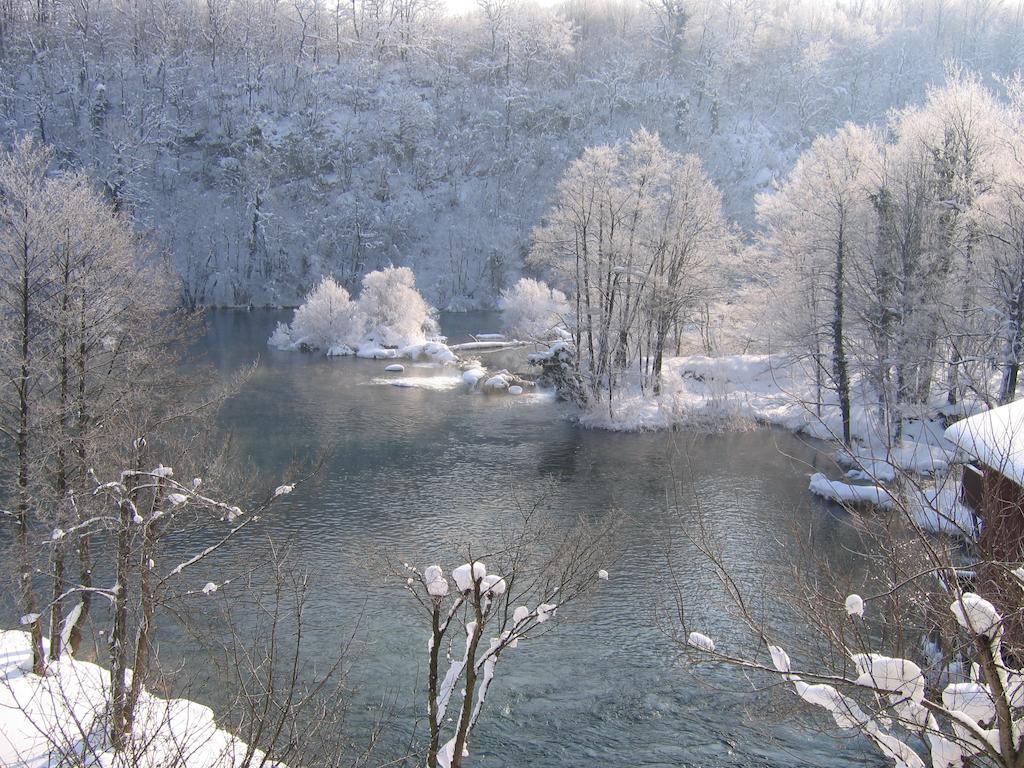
(410,470)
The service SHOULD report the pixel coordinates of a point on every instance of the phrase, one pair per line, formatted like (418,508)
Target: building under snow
(993,479)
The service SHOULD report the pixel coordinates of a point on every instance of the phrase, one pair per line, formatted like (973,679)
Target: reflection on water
(411,469)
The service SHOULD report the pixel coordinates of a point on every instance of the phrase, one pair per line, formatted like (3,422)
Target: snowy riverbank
(761,389)
(58,719)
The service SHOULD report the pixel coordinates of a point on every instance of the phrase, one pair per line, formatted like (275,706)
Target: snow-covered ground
(57,720)
(766,389)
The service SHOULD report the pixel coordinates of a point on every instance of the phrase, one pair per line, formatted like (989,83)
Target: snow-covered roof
(995,438)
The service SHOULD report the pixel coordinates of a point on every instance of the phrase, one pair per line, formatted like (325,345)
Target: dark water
(410,470)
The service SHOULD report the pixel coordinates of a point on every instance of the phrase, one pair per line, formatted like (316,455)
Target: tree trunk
(28,596)
(82,419)
(839,360)
(432,681)
(1011,370)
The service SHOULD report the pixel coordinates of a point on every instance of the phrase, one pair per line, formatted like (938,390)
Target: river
(409,470)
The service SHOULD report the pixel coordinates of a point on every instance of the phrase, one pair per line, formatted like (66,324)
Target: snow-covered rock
(373,352)
(394,368)
(473,376)
(497,383)
(433,351)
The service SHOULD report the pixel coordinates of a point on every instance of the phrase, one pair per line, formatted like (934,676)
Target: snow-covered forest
(265,144)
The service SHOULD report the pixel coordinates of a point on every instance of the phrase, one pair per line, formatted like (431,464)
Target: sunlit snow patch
(434,383)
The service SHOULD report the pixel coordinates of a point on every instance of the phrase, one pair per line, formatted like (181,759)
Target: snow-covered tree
(396,313)
(532,310)
(85,324)
(635,234)
(389,312)
(327,320)
(959,137)
(819,218)
(971,713)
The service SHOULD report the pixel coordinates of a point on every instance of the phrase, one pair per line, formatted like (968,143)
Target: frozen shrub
(327,318)
(533,310)
(396,314)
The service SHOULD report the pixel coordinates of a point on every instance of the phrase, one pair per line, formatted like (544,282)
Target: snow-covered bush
(396,314)
(389,312)
(558,371)
(533,310)
(327,319)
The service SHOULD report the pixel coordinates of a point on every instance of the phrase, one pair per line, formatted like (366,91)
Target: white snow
(429,383)
(938,509)
(845,493)
(545,611)
(888,674)
(973,699)
(515,389)
(473,376)
(44,717)
(854,605)
(432,351)
(394,368)
(976,614)
(602,574)
(373,352)
(465,575)
(438,587)
(282,490)
(497,383)
(780,659)
(701,642)
(493,584)
(845,711)
(995,438)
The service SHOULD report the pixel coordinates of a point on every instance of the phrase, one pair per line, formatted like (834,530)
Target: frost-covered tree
(27,243)
(635,235)
(958,136)
(389,312)
(820,217)
(396,313)
(327,320)
(85,323)
(534,311)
